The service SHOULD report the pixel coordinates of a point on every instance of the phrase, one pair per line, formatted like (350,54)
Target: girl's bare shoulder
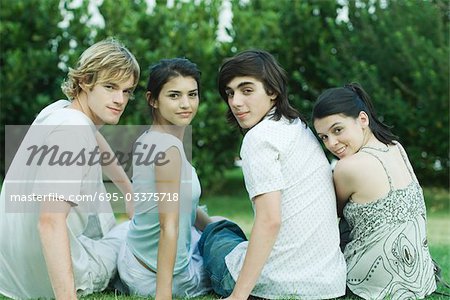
(356,167)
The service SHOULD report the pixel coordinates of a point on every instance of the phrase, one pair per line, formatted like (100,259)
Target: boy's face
(107,101)
(248,100)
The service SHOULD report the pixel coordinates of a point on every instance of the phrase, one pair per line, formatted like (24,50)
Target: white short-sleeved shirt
(306,261)
(23,269)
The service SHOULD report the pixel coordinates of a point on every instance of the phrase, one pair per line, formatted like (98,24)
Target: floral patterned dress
(388,254)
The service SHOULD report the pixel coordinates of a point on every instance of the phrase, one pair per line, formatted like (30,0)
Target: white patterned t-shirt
(306,261)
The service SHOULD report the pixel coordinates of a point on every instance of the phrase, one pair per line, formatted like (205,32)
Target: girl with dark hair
(378,195)
(293,251)
(160,257)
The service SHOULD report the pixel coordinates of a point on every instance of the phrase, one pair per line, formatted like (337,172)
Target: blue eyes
(112,88)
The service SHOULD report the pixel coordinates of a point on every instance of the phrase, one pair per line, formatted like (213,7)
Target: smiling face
(342,136)
(177,102)
(105,102)
(248,100)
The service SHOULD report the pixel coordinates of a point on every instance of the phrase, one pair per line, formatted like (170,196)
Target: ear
(151,102)
(83,83)
(272,95)
(83,86)
(363,119)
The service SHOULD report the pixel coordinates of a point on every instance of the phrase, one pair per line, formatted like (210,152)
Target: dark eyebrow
(245,83)
(241,84)
(334,124)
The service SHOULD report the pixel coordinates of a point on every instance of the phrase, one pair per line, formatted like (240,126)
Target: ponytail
(350,100)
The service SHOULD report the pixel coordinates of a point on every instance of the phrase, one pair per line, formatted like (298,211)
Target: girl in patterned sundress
(379,196)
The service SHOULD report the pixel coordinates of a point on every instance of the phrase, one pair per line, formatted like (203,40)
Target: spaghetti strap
(405,160)
(382,164)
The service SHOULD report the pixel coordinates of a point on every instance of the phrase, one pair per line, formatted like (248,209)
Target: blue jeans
(217,241)
(344,232)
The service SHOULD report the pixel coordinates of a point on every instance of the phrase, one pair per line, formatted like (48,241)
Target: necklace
(81,106)
(377,149)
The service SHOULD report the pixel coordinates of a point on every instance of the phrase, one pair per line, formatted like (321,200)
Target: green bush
(398,55)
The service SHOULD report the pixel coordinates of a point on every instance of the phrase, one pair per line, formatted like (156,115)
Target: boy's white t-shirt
(306,261)
(24,273)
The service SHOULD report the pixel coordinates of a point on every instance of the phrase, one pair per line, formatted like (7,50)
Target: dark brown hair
(350,100)
(262,66)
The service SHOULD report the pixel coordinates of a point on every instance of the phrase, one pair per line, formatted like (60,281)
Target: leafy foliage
(400,56)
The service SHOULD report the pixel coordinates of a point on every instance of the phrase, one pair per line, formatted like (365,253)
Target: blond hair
(105,61)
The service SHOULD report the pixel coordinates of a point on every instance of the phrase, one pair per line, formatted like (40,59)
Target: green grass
(232,202)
